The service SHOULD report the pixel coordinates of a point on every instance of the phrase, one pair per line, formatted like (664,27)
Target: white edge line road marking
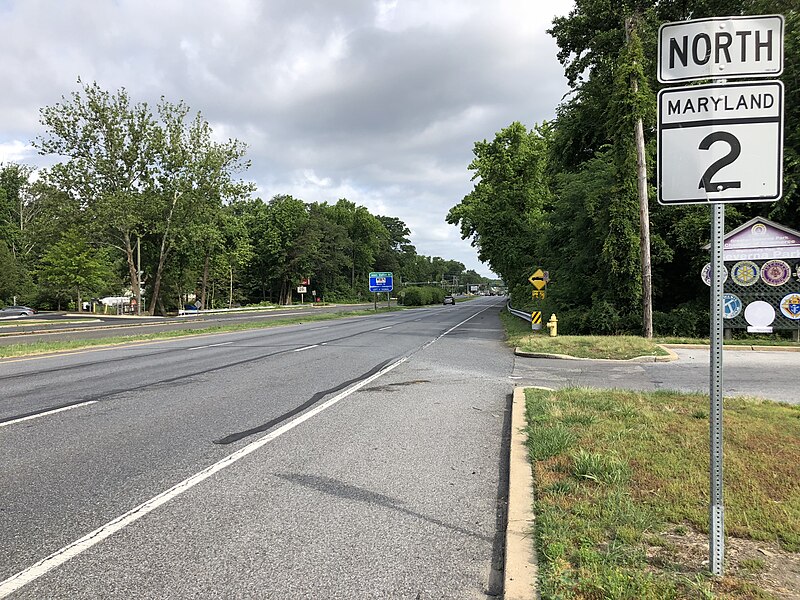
(305,348)
(49,412)
(59,557)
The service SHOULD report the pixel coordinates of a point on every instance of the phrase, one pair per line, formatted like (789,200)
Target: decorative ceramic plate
(745,273)
(790,306)
(776,272)
(731,306)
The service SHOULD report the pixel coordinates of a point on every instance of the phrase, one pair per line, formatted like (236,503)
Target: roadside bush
(682,321)
(437,295)
(420,296)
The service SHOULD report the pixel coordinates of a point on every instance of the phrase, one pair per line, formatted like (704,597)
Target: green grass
(615,469)
(619,347)
(14,350)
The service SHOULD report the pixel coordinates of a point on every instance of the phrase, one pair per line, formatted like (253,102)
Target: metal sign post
(716,546)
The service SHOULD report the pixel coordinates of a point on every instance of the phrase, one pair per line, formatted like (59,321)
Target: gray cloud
(377,101)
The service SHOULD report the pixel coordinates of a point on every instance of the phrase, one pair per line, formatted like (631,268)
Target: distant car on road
(449,300)
(17,311)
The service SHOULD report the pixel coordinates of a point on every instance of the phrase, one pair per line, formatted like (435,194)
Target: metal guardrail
(210,311)
(518,313)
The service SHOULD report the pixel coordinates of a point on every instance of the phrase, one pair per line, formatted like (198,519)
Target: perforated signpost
(720,143)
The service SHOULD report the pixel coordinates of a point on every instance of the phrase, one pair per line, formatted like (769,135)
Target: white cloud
(378,101)
(16,151)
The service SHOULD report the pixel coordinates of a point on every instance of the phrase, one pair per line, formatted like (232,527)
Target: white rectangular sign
(720,48)
(720,143)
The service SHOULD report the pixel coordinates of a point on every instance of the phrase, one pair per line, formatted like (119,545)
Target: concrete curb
(737,347)
(521,570)
(669,358)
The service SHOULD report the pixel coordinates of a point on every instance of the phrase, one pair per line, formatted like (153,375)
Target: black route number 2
(735,150)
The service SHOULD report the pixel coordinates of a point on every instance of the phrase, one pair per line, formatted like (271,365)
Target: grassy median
(621,485)
(26,349)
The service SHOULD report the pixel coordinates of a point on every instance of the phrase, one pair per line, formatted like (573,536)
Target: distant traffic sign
(539,275)
(720,143)
(381,282)
(721,47)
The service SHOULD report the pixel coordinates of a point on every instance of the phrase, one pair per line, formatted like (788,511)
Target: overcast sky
(376,101)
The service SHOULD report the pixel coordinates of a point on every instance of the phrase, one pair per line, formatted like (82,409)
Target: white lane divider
(48,412)
(59,557)
(454,327)
(305,348)
(384,328)
(210,346)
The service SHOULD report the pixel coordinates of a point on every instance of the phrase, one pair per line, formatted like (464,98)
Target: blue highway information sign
(381,282)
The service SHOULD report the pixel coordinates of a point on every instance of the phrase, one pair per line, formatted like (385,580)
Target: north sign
(721,48)
(720,143)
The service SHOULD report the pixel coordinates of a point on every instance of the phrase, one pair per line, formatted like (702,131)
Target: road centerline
(47,413)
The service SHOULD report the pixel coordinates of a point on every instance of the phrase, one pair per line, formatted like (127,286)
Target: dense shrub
(682,321)
(420,296)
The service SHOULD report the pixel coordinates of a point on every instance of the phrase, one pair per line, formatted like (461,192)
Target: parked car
(20,311)
(449,300)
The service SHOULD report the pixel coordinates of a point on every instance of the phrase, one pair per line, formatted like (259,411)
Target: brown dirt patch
(763,564)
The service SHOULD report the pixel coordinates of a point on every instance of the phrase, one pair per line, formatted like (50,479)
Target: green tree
(109,145)
(137,176)
(367,236)
(503,214)
(73,267)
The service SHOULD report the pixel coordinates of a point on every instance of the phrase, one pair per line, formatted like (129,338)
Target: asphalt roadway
(357,458)
(771,375)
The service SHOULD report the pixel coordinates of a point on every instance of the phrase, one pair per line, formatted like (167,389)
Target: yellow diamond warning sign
(539,278)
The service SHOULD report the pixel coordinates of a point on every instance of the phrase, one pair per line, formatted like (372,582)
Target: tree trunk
(230,289)
(162,256)
(644,220)
(136,286)
(286,293)
(205,283)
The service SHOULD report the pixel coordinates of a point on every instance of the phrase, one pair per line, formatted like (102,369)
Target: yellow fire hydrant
(552,325)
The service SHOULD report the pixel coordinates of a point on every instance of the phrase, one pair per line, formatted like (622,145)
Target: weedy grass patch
(619,347)
(614,471)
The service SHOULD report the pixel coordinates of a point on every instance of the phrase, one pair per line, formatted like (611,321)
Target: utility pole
(644,209)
